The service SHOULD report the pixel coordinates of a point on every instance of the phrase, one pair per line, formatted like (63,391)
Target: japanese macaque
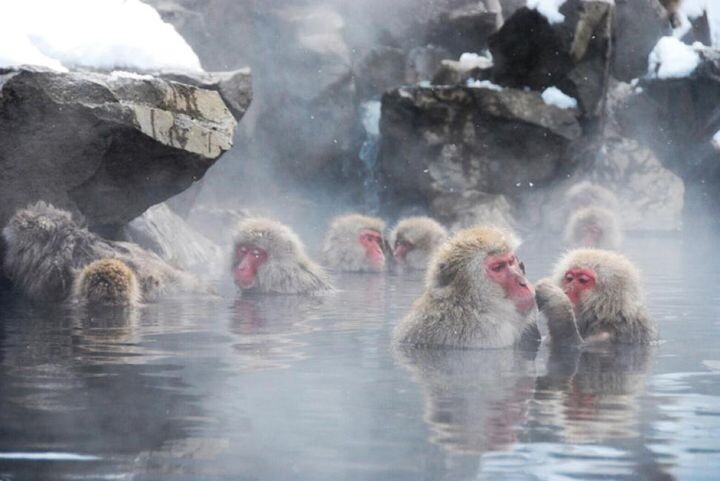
(476,296)
(593,227)
(594,296)
(673,9)
(269,258)
(414,240)
(586,194)
(107,282)
(354,243)
(46,249)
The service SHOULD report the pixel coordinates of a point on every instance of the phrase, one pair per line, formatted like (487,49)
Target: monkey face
(508,272)
(578,281)
(248,259)
(371,241)
(401,249)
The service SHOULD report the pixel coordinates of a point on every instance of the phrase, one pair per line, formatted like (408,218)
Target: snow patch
(118,74)
(104,34)
(555,96)
(692,9)
(483,84)
(550,9)
(716,140)
(672,59)
(469,61)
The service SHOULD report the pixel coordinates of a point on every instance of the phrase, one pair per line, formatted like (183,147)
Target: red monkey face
(578,281)
(248,258)
(402,247)
(505,270)
(372,243)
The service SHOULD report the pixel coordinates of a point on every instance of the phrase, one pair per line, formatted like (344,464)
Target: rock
(163,232)
(470,208)
(423,62)
(677,118)
(217,223)
(572,55)
(380,70)
(637,26)
(235,87)
(442,141)
(104,146)
(465,28)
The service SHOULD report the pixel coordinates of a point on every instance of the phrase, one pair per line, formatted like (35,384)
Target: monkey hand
(558,310)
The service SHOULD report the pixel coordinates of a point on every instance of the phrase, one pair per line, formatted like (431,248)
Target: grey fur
(107,282)
(288,270)
(425,234)
(461,307)
(613,311)
(342,250)
(600,217)
(46,249)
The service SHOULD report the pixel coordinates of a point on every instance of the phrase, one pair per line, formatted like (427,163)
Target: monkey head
(593,227)
(355,243)
(586,194)
(107,282)
(269,257)
(600,284)
(414,240)
(481,264)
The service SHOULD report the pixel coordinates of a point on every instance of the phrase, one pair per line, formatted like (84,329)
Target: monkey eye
(243,250)
(498,267)
(256,253)
(568,278)
(583,279)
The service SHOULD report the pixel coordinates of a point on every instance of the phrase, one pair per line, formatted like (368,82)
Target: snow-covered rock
(672,59)
(554,96)
(550,9)
(92,34)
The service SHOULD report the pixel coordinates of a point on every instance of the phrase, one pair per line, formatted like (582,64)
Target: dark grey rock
(104,146)
(637,26)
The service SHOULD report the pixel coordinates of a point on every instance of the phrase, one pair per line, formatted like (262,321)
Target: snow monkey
(586,194)
(476,296)
(107,282)
(595,296)
(46,248)
(593,227)
(269,258)
(415,239)
(354,243)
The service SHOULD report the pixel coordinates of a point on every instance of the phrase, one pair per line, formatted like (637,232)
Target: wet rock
(165,233)
(438,142)
(235,87)
(423,62)
(465,28)
(104,146)
(637,26)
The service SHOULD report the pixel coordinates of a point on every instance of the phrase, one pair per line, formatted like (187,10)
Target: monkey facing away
(476,296)
(593,227)
(107,282)
(46,249)
(595,296)
(269,258)
(354,243)
(415,239)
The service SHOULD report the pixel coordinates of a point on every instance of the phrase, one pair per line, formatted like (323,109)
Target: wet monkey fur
(414,240)
(107,282)
(595,296)
(476,296)
(269,258)
(593,227)
(354,243)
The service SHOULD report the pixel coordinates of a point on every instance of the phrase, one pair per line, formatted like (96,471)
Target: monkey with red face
(476,296)
(593,227)
(414,240)
(595,296)
(269,258)
(354,243)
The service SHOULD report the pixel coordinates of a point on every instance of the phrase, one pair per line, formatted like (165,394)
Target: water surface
(273,388)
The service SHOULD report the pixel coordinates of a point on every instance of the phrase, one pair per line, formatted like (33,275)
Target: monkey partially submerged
(595,296)
(415,239)
(476,296)
(593,227)
(46,249)
(269,258)
(354,243)
(107,282)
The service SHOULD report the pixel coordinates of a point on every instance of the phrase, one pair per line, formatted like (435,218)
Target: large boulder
(440,142)
(104,146)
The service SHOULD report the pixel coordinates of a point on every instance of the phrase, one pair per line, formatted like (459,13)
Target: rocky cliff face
(104,146)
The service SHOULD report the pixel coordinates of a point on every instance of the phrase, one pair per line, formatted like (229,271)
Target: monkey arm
(558,310)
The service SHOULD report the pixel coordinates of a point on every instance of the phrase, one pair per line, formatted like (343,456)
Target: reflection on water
(274,387)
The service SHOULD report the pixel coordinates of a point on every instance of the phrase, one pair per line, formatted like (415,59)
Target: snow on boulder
(550,9)
(672,59)
(101,34)
(555,96)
